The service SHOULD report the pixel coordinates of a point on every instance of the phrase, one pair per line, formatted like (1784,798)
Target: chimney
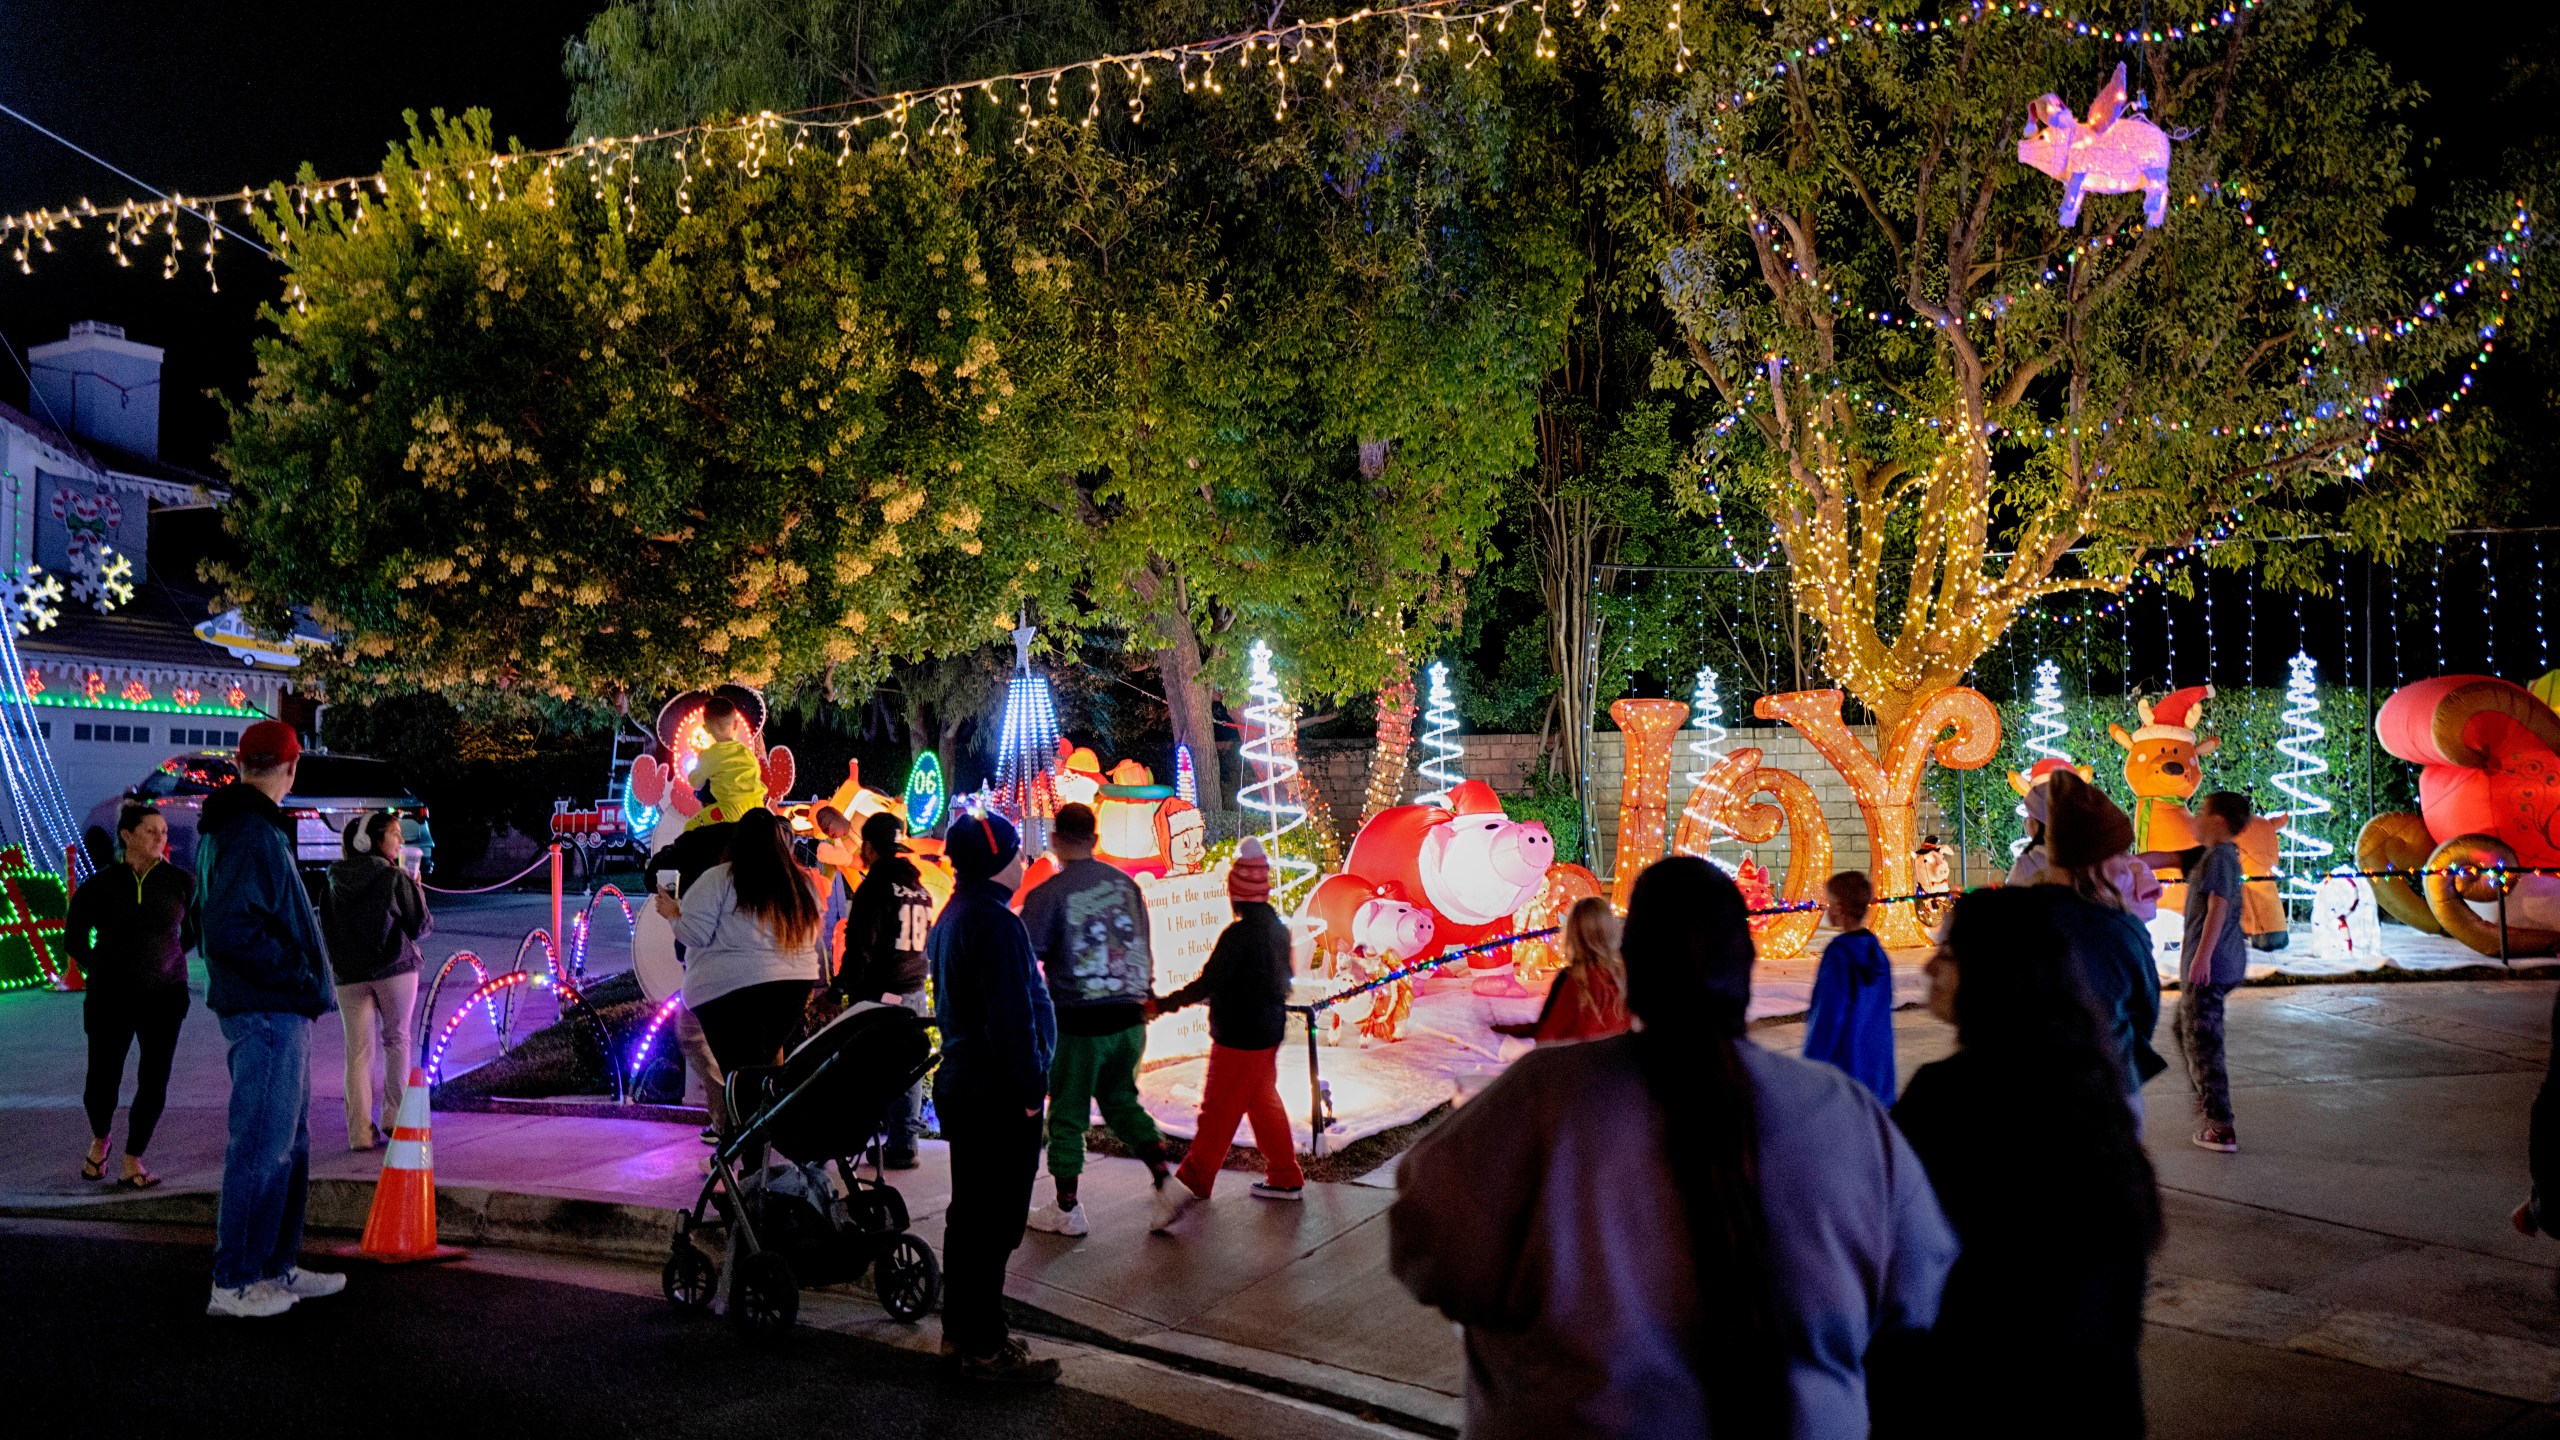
(100,386)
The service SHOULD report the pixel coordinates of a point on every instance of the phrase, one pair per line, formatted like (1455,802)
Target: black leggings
(749,1026)
(112,1031)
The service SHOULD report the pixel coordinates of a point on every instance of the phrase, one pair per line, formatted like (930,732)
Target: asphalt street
(111,1335)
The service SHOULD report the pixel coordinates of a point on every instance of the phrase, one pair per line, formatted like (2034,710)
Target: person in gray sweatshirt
(1671,1233)
(373,914)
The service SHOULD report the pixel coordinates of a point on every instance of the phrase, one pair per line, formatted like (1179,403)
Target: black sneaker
(1011,1364)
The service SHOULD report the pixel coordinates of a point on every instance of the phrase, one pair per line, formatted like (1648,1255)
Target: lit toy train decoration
(2488,798)
(858,803)
(1140,826)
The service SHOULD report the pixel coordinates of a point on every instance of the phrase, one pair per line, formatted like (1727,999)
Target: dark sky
(220,93)
(217,94)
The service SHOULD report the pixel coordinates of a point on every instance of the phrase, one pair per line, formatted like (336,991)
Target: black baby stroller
(794,1224)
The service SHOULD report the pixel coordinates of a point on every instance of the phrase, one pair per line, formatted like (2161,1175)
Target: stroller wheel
(764,1298)
(688,1277)
(908,1279)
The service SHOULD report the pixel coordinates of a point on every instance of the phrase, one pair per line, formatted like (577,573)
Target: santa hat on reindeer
(2172,716)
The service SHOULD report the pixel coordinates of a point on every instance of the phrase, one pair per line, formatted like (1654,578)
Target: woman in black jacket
(373,914)
(130,928)
(2031,1149)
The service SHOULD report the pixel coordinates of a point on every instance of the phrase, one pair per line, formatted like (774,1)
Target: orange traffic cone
(401,1229)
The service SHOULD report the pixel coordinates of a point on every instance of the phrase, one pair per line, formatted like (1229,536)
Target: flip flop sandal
(93,1169)
(138,1180)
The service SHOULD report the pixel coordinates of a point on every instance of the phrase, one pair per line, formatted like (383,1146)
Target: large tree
(1952,405)
(568,429)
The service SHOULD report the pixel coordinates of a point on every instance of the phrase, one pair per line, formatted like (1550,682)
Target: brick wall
(1340,769)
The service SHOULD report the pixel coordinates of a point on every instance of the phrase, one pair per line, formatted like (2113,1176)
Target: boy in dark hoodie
(998,1036)
(267,978)
(1246,983)
(885,926)
(373,914)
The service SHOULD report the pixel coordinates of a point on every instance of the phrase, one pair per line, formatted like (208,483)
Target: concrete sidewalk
(2350,1272)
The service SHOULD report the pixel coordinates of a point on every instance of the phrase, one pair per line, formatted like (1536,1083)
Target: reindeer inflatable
(2163,765)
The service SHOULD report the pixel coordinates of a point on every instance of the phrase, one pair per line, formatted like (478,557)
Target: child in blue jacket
(1851,1023)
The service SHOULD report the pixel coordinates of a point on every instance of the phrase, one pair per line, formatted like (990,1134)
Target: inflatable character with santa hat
(1422,880)
(2164,767)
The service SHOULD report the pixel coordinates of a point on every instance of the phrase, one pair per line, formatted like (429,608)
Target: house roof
(110,459)
(156,628)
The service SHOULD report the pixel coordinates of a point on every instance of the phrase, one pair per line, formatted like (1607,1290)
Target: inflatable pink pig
(1466,868)
(2106,154)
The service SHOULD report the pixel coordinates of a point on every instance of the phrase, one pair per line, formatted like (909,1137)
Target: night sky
(213,96)
(198,97)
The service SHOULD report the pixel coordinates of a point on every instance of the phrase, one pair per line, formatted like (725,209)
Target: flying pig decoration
(2108,154)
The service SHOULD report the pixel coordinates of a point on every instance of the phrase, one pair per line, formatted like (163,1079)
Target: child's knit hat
(1249,880)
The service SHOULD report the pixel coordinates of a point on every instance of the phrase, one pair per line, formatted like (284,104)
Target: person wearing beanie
(999,1035)
(267,979)
(2101,922)
(1088,922)
(1246,983)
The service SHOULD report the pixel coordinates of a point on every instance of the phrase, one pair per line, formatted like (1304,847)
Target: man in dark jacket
(1246,983)
(998,1036)
(884,936)
(2540,1211)
(267,978)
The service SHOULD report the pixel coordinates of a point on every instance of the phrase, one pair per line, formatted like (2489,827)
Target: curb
(465,1215)
(612,1230)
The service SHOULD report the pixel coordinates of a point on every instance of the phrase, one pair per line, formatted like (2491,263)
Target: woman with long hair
(130,928)
(2087,840)
(1671,1232)
(750,930)
(1588,1000)
(2033,1154)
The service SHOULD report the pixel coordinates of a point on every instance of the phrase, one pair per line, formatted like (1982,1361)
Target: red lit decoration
(186,695)
(238,698)
(93,684)
(136,692)
(35,681)
(32,905)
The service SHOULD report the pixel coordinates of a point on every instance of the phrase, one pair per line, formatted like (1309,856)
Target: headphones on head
(362,840)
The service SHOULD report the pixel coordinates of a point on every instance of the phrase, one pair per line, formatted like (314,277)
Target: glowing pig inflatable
(1435,879)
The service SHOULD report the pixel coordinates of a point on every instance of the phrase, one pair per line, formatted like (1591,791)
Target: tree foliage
(1953,406)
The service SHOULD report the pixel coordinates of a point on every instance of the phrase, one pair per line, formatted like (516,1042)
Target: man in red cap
(267,977)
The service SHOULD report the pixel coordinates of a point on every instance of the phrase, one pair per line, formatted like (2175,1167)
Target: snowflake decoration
(103,578)
(32,600)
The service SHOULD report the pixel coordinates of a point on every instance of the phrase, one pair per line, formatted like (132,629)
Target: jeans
(376,1016)
(1242,1084)
(906,1113)
(113,1028)
(1103,1068)
(2200,1037)
(995,1152)
(266,1168)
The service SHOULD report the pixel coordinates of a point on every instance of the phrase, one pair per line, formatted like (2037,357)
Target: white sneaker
(1174,1199)
(311,1284)
(250,1302)
(1052,1220)
(1263,1190)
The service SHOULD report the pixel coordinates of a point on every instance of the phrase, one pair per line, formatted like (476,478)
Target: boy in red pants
(1246,983)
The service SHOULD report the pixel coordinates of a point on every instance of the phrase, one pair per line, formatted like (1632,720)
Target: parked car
(328,791)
